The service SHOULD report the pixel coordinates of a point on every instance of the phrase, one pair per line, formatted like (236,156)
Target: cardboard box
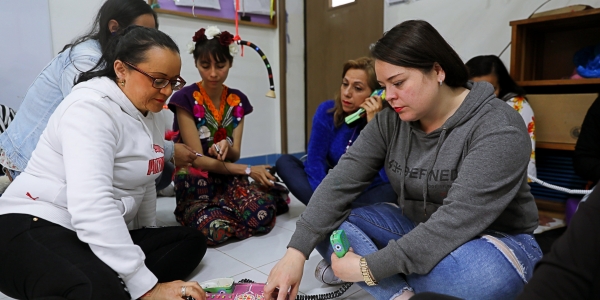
(558,117)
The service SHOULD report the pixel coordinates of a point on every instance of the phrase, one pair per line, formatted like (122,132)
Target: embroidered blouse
(213,124)
(520,104)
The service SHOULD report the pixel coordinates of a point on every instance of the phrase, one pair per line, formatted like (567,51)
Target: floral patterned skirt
(225,206)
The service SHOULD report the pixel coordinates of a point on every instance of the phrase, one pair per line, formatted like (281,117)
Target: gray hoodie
(476,162)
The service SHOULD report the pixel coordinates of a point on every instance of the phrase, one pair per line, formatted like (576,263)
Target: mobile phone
(361,111)
(219,285)
(339,242)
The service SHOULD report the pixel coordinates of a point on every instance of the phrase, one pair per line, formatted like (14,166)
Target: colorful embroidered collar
(202,98)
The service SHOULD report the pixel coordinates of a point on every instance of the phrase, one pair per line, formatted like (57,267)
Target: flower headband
(225,39)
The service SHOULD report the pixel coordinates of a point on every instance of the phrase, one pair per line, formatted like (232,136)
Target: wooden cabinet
(542,63)
(542,55)
(543,49)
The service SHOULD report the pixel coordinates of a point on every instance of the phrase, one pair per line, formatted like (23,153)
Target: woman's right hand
(262,175)
(286,275)
(183,155)
(372,106)
(173,291)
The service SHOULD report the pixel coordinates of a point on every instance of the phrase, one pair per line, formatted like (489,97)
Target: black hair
(205,49)
(416,44)
(123,11)
(130,46)
(491,64)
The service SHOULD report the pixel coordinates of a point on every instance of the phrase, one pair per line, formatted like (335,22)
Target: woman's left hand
(262,175)
(347,268)
(372,106)
(183,155)
(223,149)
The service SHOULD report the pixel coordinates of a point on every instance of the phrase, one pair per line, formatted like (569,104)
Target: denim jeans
(475,270)
(46,92)
(291,171)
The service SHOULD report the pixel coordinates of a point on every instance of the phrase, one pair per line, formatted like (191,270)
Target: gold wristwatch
(366,273)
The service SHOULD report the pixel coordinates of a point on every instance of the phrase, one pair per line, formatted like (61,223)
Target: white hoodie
(93,172)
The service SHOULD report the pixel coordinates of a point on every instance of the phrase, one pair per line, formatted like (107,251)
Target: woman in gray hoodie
(457,158)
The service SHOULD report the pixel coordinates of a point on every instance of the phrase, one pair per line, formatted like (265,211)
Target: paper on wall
(260,7)
(214,4)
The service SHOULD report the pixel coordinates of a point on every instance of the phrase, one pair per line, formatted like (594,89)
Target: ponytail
(129,45)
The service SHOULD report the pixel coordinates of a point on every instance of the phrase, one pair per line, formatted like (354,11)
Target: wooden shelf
(543,48)
(555,146)
(561,20)
(550,206)
(561,86)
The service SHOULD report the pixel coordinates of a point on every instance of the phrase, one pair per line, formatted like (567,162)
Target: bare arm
(189,134)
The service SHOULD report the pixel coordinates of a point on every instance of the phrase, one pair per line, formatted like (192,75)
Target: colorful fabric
(224,206)
(212,123)
(520,104)
(221,206)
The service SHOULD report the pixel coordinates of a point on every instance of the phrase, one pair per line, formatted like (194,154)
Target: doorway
(333,36)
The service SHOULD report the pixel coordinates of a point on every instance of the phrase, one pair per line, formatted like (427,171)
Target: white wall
(262,136)
(25,49)
(295,77)
(473,27)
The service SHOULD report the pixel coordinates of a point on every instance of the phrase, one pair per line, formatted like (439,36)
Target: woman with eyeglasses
(57,79)
(214,194)
(65,219)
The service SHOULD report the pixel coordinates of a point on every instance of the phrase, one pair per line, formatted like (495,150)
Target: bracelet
(366,273)
(230,141)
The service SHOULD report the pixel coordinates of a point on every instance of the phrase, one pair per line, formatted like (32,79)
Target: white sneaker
(324,274)
(169,191)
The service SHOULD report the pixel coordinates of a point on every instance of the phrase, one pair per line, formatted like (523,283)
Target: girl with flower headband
(214,194)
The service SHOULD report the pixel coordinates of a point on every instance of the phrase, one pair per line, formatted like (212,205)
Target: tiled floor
(253,258)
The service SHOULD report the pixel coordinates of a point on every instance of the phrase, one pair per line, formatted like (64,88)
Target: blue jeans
(291,171)
(475,270)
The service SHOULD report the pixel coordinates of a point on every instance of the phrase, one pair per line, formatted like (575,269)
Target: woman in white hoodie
(65,218)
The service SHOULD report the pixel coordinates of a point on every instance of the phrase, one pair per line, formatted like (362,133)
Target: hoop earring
(122,82)
(440,82)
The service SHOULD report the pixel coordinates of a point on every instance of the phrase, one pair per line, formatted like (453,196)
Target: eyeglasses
(159,83)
